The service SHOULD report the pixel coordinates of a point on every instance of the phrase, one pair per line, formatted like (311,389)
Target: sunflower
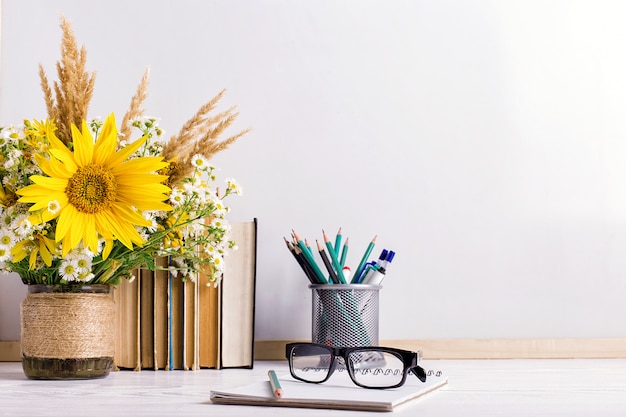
(96,190)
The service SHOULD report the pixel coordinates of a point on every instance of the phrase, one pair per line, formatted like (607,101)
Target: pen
(277,390)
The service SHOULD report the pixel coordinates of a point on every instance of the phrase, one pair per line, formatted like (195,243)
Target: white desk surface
(565,387)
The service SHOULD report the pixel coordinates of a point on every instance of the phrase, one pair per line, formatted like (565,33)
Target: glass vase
(68,331)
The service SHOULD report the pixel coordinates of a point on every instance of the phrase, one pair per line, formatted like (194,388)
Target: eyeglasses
(368,367)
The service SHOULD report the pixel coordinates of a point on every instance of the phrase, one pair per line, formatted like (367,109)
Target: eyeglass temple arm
(419,372)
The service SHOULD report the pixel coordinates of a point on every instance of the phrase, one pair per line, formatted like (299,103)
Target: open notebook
(339,392)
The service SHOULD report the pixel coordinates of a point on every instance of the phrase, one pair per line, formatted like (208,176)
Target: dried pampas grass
(72,92)
(69,102)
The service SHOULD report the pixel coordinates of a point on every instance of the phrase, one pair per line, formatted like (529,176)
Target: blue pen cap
(390,256)
(383,255)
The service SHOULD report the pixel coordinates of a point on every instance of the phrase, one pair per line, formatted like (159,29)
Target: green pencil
(333,257)
(338,241)
(344,253)
(366,255)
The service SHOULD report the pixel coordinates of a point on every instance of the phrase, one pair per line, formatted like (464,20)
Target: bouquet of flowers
(83,202)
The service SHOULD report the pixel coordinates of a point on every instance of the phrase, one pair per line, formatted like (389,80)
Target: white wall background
(484,141)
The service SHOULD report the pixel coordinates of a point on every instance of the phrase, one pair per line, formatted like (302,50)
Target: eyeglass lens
(310,363)
(371,368)
(376,369)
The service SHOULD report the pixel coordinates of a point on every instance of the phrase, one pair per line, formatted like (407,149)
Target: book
(161,302)
(190,326)
(238,299)
(127,317)
(208,323)
(165,323)
(339,392)
(146,320)
(176,323)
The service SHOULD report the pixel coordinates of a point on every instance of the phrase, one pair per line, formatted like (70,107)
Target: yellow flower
(98,191)
(37,131)
(39,245)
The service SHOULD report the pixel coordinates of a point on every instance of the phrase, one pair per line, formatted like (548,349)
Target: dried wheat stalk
(74,88)
(199,135)
(72,93)
(135,111)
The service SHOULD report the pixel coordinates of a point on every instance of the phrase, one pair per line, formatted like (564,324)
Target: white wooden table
(566,387)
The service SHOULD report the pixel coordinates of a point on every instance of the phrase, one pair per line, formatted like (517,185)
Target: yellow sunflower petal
(107,142)
(83,145)
(122,231)
(90,240)
(62,153)
(108,246)
(52,167)
(118,158)
(148,164)
(54,184)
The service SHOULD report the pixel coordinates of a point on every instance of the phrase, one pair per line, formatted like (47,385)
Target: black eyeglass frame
(410,361)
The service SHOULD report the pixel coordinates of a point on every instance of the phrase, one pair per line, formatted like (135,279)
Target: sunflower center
(91,189)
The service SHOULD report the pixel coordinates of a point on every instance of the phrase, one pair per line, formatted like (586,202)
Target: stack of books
(163,323)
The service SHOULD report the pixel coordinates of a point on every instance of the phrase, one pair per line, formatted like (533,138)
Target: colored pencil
(329,266)
(309,258)
(366,255)
(307,271)
(333,257)
(275,384)
(344,253)
(338,241)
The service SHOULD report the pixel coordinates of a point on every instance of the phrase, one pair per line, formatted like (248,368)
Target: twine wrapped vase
(68,331)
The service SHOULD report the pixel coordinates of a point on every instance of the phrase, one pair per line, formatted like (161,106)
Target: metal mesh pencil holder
(345,315)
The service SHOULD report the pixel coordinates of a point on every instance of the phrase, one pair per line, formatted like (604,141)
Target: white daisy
(7,238)
(22,226)
(177,198)
(233,186)
(83,262)
(5,254)
(69,270)
(200,162)
(54,206)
